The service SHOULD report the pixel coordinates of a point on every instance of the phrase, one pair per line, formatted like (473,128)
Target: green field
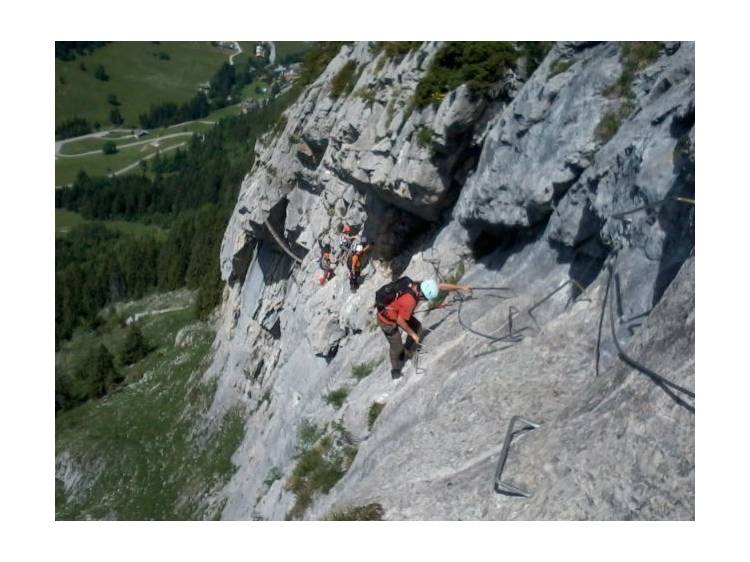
(145,451)
(137,76)
(66,220)
(66,169)
(251,90)
(285,48)
(89,144)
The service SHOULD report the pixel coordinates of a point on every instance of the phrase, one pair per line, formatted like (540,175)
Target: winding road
(239,51)
(136,143)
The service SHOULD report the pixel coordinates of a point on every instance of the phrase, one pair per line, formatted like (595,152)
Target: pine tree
(96,375)
(135,347)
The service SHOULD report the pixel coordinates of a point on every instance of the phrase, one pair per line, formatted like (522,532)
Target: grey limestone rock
(535,211)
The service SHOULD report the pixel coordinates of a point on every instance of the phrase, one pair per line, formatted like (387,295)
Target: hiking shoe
(396,374)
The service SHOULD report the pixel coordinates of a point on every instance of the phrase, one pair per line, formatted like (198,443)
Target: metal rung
(504,487)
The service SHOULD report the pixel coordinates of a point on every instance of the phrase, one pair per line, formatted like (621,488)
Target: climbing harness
(502,487)
(281,243)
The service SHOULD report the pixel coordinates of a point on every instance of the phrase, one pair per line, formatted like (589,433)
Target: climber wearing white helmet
(396,302)
(354,262)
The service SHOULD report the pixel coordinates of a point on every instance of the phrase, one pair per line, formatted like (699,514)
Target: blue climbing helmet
(429,289)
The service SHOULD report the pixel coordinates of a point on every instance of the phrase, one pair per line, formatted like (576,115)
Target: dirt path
(138,316)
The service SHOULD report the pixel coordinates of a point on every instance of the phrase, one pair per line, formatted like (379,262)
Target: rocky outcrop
(520,190)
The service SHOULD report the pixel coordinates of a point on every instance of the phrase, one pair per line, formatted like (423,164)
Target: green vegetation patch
(395,50)
(321,462)
(344,80)
(424,137)
(336,398)
(141,451)
(66,220)
(478,64)
(366,94)
(634,57)
(368,512)
(608,126)
(559,67)
(288,52)
(362,370)
(67,169)
(373,413)
(135,76)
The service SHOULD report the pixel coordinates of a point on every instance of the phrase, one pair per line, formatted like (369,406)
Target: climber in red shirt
(396,302)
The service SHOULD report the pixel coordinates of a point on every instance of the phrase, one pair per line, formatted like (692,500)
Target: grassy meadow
(141,74)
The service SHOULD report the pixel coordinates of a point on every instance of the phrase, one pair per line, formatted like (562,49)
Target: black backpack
(391,291)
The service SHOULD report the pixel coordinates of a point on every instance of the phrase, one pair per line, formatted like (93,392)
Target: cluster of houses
(283,75)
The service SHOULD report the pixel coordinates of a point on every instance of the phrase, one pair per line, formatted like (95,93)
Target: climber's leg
(411,345)
(393,335)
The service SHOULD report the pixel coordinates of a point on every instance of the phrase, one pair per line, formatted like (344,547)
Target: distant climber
(355,260)
(345,241)
(327,264)
(395,303)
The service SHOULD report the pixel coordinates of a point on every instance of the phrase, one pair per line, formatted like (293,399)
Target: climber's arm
(449,287)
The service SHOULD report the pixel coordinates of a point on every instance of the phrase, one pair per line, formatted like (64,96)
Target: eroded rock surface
(536,192)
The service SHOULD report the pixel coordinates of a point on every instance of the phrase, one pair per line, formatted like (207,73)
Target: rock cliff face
(523,189)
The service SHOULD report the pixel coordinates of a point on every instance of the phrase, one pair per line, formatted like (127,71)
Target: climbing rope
(281,243)
(652,205)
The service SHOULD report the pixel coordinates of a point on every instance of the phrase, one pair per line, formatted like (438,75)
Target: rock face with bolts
(513,190)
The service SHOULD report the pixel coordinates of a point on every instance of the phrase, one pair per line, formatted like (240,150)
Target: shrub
(534,53)
(321,463)
(101,74)
(634,57)
(336,397)
(96,375)
(364,369)
(369,512)
(307,436)
(135,347)
(368,95)
(279,127)
(115,117)
(424,137)
(608,126)
(395,50)
(478,64)
(73,127)
(559,67)
(344,80)
(109,147)
(373,414)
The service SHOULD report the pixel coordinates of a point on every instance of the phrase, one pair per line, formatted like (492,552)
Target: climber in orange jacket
(354,263)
